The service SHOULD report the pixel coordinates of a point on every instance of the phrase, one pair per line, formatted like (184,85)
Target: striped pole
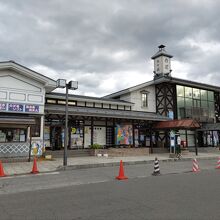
(195,166)
(218,164)
(156,167)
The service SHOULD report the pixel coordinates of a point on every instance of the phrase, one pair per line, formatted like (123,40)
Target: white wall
(135,97)
(15,88)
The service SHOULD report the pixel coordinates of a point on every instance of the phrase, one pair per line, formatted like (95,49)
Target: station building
(32,116)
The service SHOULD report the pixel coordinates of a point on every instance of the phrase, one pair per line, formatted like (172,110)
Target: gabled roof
(130,89)
(56,95)
(163,79)
(161,52)
(49,83)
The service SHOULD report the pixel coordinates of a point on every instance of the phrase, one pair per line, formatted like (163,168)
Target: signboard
(3,106)
(170,115)
(15,107)
(32,108)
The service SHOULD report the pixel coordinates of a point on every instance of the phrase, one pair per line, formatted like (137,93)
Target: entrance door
(56,137)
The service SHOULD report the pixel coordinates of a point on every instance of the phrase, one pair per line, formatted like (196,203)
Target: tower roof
(161,52)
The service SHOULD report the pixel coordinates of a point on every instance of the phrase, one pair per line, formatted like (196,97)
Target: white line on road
(25,175)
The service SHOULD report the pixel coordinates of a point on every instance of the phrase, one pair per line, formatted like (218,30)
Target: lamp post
(73,85)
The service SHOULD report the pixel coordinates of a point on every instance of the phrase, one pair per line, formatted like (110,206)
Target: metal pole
(30,136)
(196,145)
(66,129)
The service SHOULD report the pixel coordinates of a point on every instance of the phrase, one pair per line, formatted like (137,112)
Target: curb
(112,164)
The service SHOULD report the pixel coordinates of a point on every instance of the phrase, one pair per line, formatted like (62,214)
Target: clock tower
(162,63)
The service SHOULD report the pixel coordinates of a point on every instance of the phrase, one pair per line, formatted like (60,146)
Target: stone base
(184,151)
(121,152)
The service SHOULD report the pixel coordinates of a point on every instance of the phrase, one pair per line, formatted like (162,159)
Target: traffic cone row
(121,175)
(34,169)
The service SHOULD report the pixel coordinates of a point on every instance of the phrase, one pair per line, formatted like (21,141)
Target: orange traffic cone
(218,164)
(2,173)
(121,175)
(195,167)
(35,170)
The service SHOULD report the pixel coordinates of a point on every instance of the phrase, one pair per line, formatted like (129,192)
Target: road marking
(25,175)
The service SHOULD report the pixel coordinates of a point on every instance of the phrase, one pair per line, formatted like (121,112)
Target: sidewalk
(18,168)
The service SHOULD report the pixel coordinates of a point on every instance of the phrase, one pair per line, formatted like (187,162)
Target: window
(210,96)
(35,129)
(188,92)
(180,90)
(51,101)
(196,93)
(203,94)
(144,99)
(61,102)
(13,135)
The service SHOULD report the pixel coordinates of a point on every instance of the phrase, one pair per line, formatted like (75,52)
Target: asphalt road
(95,194)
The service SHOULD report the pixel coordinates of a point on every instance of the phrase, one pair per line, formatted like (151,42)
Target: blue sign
(15,107)
(170,115)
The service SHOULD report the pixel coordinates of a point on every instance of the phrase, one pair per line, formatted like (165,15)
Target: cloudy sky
(106,45)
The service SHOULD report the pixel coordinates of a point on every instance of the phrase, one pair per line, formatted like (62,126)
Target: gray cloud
(93,41)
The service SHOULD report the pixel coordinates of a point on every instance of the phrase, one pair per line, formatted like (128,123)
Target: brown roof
(178,124)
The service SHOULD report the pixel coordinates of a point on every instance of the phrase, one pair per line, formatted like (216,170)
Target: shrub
(95,146)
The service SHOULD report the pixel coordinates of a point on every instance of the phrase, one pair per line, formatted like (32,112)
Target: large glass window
(195,103)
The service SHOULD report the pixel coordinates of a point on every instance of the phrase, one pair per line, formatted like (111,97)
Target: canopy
(189,124)
(17,121)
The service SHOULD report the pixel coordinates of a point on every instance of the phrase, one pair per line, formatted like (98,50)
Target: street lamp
(73,85)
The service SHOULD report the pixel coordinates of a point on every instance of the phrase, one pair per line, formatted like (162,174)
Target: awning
(189,124)
(17,121)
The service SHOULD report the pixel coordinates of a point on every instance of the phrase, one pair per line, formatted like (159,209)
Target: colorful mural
(123,134)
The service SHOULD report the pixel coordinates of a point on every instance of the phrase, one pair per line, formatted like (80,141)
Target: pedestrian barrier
(218,164)
(121,175)
(34,169)
(156,167)
(195,167)
(2,173)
